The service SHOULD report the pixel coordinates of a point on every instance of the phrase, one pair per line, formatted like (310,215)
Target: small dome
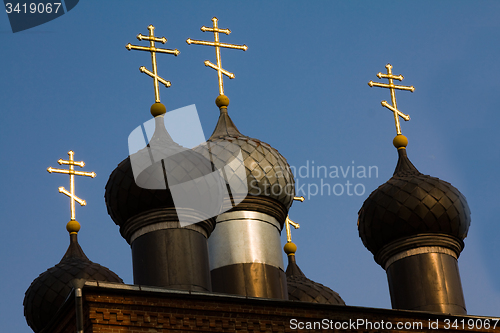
(267,173)
(172,164)
(300,288)
(411,203)
(48,292)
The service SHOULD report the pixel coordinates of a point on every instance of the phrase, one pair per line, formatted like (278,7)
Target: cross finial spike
(217,44)
(71,193)
(153,50)
(392,87)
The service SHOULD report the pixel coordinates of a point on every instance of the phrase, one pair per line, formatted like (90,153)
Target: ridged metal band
(163,218)
(419,250)
(260,204)
(418,244)
(166,225)
(245,237)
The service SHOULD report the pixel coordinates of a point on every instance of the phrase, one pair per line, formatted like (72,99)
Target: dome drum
(245,255)
(174,258)
(428,281)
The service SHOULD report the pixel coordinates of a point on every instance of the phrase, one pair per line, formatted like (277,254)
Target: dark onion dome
(127,197)
(300,288)
(267,173)
(411,203)
(48,292)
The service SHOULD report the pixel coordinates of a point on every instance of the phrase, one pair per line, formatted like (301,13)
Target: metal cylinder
(423,275)
(164,254)
(172,258)
(426,282)
(245,255)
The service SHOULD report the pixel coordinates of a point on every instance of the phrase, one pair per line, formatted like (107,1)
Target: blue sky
(70,84)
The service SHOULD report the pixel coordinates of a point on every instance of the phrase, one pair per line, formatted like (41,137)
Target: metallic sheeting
(245,237)
(426,282)
(172,258)
(250,279)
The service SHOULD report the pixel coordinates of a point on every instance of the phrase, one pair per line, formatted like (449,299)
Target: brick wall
(134,309)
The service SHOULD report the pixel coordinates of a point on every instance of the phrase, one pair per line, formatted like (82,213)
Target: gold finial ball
(290,248)
(73,226)
(222,100)
(158,109)
(400,141)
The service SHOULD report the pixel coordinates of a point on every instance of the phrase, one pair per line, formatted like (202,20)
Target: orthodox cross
(392,87)
(217,45)
(289,222)
(72,172)
(154,74)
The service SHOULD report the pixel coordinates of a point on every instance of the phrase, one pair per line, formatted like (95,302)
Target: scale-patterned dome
(266,172)
(48,292)
(300,288)
(172,164)
(411,203)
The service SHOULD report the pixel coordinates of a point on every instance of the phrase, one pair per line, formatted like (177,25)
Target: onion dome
(267,178)
(300,288)
(142,182)
(409,204)
(49,291)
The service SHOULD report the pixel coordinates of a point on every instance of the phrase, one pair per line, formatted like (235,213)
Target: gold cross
(152,39)
(289,222)
(71,171)
(392,87)
(217,45)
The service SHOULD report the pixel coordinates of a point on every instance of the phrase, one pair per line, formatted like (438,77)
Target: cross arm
(396,111)
(229,74)
(224,31)
(81,164)
(229,46)
(162,40)
(165,82)
(294,224)
(82,173)
(390,76)
(151,49)
(51,169)
(77,199)
(392,86)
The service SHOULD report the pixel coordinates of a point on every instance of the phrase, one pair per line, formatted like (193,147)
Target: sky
(70,84)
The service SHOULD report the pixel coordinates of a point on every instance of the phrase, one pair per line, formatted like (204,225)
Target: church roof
(48,292)
(266,172)
(412,203)
(142,181)
(300,288)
